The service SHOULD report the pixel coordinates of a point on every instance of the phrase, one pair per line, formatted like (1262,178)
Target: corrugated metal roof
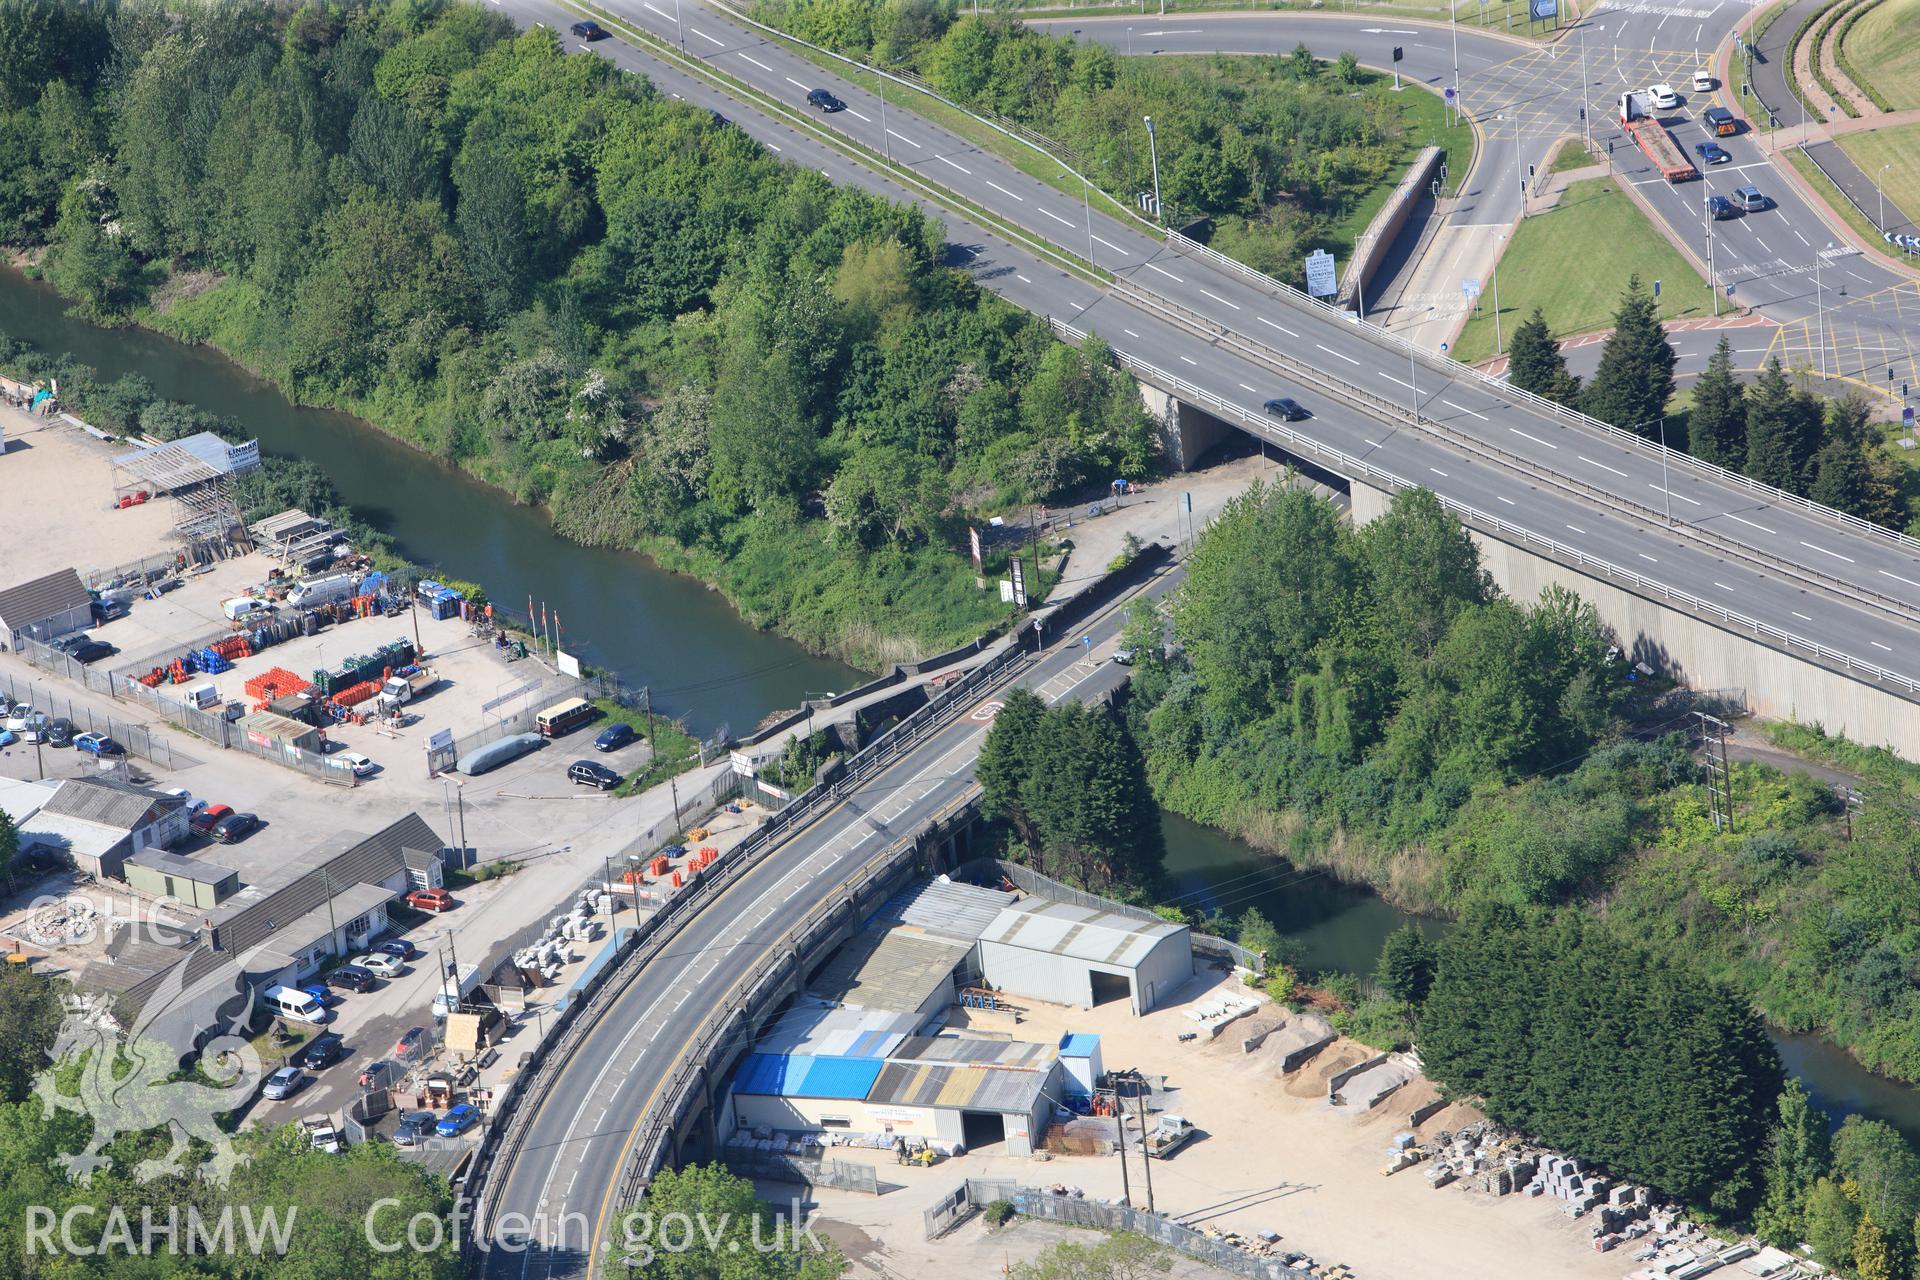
(945,909)
(111,804)
(43,598)
(917,1084)
(21,800)
(1079,1044)
(975,1050)
(1082,933)
(887,969)
(805,1076)
(837,1031)
(251,916)
(183,868)
(70,835)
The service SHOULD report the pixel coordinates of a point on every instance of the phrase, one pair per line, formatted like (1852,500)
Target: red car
(205,820)
(430,900)
(411,1041)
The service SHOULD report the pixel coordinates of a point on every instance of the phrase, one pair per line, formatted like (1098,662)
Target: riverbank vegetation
(544,271)
(1284,155)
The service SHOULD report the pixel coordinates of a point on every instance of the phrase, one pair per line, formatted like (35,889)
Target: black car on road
(1719,208)
(821,100)
(589,30)
(323,1050)
(587,773)
(1286,408)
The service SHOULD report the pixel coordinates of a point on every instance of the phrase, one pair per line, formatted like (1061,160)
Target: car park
(415,1128)
(821,100)
(68,642)
(1719,208)
(1712,152)
(458,1120)
(587,773)
(8,737)
(18,714)
(325,998)
(1750,200)
(283,1083)
(614,737)
(435,900)
(59,732)
(351,977)
(384,965)
(203,820)
(91,651)
(1286,408)
(322,1051)
(37,727)
(380,1074)
(589,30)
(234,827)
(98,744)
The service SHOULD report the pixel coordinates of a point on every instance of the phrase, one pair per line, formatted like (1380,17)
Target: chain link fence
(841,1175)
(137,739)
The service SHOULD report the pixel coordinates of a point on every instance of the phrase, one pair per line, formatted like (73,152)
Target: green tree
(1257,933)
(30,1010)
(1533,357)
(1631,387)
(90,262)
(1774,441)
(1832,1217)
(1872,1253)
(1717,423)
(492,217)
(1797,1155)
(1841,478)
(1873,1156)
(1407,965)
(1423,570)
(1008,757)
(1120,1256)
(740,1237)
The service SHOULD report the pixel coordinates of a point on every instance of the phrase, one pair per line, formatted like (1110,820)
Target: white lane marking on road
(1603,466)
(1743,520)
(790,80)
(773,147)
(1390,378)
(1723,586)
(951,165)
(1271,325)
(1130,333)
(1190,360)
(1462,408)
(910,142)
(1802,239)
(1330,351)
(861,115)
(1222,301)
(1876,644)
(1168,274)
(1245,387)
(1003,191)
(1056,217)
(1509,501)
(756,62)
(1823,551)
(1018,276)
(1672,493)
(1763,244)
(1645,556)
(1897,578)
(1577,529)
(1803,617)
(709,39)
(1437,471)
(1857,276)
(1536,439)
(1111,245)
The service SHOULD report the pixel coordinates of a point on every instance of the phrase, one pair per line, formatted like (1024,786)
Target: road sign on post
(1321,275)
(1656,288)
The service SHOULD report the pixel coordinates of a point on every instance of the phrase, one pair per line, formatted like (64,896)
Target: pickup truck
(1167,1137)
(403,684)
(1638,118)
(321,1134)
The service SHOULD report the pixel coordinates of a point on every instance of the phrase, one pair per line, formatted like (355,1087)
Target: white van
(314,592)
(203,696)
(298,1005)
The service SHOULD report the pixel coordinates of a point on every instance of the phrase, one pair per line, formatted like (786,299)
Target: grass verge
(1573,262)
(674,749)
(1898,150)
(1885,46)
(1738,79)
(1835,198)
(1572,154)
(1507,15)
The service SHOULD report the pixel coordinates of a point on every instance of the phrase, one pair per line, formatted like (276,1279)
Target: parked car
(59,732)
(98,744)
(589,30)
(91,651)
(614,737)
(431,900)
(821,100)
(37,727)
(587,773)
(1286,408)
(384,965)
(398,948)
(380,1074)
(1750,199)
(1719,208)
(322,1051)
(8,737)
(234,828)
(411,1041)
(1123,656)
(323,997)
(415,1128)
(458,1120)
(283,1083)
(351,977)
(18,714)
(360,765)
(203,820)
(70,641)
(1712,152)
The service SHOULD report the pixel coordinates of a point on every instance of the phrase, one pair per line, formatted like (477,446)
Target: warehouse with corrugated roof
(1068,954)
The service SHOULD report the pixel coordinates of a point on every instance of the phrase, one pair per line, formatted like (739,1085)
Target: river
(622,613)
(1342,926)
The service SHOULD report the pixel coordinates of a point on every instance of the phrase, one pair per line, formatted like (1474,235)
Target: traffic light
(1583,115)
(1398,53)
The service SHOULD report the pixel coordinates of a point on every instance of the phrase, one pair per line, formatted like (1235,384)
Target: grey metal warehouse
(1068,954)
(44,608)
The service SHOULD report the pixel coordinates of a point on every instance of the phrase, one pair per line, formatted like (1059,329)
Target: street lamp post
(1706,227)
(886,138)
(1820,311)
(1880,186)
(1496,297)
(1453,21)
(679,29)
(1586,123)
(1153,150)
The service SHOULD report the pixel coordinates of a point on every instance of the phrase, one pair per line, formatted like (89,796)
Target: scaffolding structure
(294,537)
(197,476)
